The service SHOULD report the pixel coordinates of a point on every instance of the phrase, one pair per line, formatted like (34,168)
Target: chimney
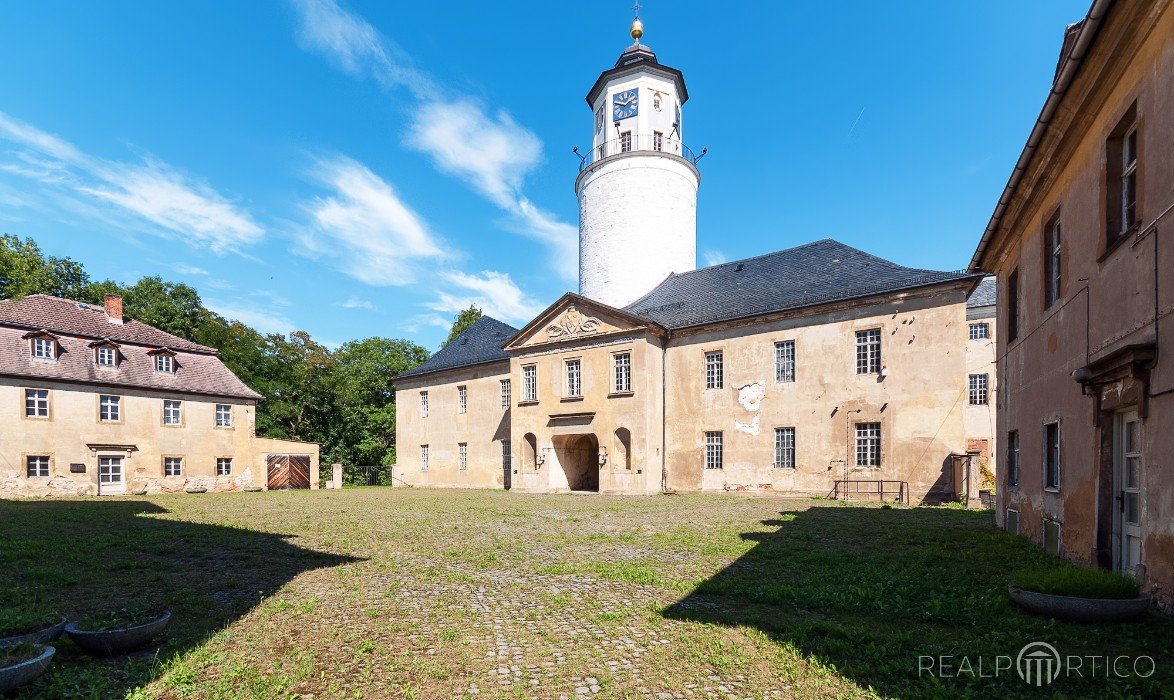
(114,308)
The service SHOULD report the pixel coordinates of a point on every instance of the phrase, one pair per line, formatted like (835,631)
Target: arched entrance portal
(579,457)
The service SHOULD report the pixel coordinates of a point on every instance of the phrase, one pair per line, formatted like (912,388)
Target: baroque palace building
(816,370)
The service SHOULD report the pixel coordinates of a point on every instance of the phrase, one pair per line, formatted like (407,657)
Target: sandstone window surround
(785,361)
(622,366)
(37,466)
(784,448)
(868,351)
(223,415)
(506,394)
(423,404)
(462,399)
(978,389)
(868,445)
(173,466)
(980,331)
(714,370)
(713,449)
(109,408)
(224,466)
(423,458)
(36,403)
(172,413)
(574,385)
(529,382)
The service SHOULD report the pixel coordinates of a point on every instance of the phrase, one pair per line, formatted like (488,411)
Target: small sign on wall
(77,468)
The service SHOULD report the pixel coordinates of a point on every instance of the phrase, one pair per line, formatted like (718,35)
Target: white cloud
(263,321)
(486,149)
(151,191)
(713,257)
(356,303)
(493,292)
(185,269)
(364,226)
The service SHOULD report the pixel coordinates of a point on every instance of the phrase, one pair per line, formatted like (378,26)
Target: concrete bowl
(12,677)
(116,641)
(1074,609)
(46,635)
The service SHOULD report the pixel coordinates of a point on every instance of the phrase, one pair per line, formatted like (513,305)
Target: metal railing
(630,142)
(879,489)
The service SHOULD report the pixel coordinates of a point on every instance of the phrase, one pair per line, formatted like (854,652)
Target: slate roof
(817,273)
(76,326)
(480,343)
(984,293)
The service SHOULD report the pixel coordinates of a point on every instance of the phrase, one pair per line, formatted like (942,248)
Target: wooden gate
(289,471)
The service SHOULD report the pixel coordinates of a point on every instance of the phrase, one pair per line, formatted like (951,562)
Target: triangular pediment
(576,317)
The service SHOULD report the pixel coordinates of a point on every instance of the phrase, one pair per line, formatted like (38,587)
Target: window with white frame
(507,459)
(223,415)
(785,361)
(574,378)
(1129,179)
(109,470)
(1052,456)
(105,356)
(979,394)
(1012,521)
(784,448)
(36,403)
(868,351)
(109,408)
(622,362)
(506,393)
(530,382)
(868,444)
(980,331)
(224,466)
(36,466)
(462,399)
(714,377)
(658,140)
(463,455)
(625,141)
(165,364)
(423,404)
(713,449)
(1013,458)
(44,348)
(172,412)
(172,466)
(1052,536)
(1053,282)
(423,458)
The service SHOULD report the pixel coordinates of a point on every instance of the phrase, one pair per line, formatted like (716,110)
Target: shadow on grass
(869,591)
(79,558)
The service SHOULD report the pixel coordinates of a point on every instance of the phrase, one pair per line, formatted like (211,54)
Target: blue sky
(369,168)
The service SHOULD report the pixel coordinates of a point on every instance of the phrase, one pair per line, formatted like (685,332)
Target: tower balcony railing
(655,142)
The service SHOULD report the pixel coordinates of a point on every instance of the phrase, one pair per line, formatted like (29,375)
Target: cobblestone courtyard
(446,594)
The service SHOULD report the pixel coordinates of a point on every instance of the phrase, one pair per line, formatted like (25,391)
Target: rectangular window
(506,456)
(37,466)
(463,455)
(223,466)
(1053,283)
(868,444)
(713,449)
(785,361)
(1129,180)
(165,364)
(658,140)
(44,348)
(423,404)
(109,408)
(978,389)
(623,372)
(868,351)
(36,403)
(625,141)
(1012,521)
(784,448)
(423,458)
(106,356)
(506,394)
(223,415)
(462,399)
(1013,458)
(1052,537)
(172,412)
(714,378)
(980,331)
(109,470)
(530,383)
(172,466)
(574,378)
(1121,172)
(1013,305)
(1052,456)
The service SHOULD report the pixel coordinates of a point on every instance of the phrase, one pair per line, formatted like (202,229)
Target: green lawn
(414,593)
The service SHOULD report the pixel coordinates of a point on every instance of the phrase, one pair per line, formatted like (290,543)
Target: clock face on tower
(624,104)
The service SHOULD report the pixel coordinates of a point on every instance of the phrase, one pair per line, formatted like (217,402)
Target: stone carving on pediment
(572,323)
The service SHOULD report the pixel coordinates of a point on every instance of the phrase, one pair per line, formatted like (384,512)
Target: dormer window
(105,353)
(44,348)
(165,363)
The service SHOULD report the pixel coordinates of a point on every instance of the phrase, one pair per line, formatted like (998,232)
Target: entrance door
(1127,480)
(110,476)
(288,471)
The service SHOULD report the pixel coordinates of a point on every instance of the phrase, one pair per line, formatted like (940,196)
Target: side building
(1081,243)
(94,403)
(981,380)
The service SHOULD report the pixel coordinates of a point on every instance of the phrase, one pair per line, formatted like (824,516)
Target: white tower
(637,188)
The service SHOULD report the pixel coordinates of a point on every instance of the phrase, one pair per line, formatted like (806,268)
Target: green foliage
(465,319)
(25,270)
(118,619)
(1076,581)
(14,654)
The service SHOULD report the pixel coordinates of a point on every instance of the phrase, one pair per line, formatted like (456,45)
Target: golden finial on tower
(637,25)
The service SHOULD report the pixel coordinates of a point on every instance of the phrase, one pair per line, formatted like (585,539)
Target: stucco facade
(1081,245)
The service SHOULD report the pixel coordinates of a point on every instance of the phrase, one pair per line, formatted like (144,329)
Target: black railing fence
(628,142)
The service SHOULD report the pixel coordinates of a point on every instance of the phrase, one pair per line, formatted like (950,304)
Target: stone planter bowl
(1074,609)
(46,635)
(12,677)
(116,641)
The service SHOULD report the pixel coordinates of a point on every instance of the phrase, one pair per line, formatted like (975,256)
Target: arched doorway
(579,457)
(622,453)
